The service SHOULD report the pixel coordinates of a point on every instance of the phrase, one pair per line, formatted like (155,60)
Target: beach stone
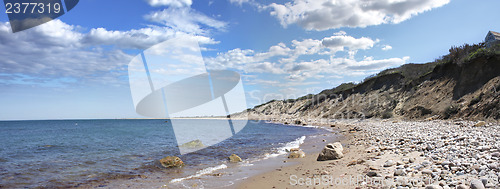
(426,171)
(388,163)
(331,152)
(433,187)
(484,181)
(371,174)
(412,160)
(297,154)
(477,184)
(193,144)
(462,186)
(495,154)
(446,162)
(399,172)
(234,158)
(171,161)
(405,160)
(480,124)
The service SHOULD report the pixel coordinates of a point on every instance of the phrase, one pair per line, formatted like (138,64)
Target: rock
(495,154)
(297,154)
(426,171)
(412,160)
(193,144)
(484,181)
(476,184)
(399,172)
(371,174)
(426,163)
(493,166)
(171,161)
(405,160)
(480,124)
(388,163)
(446,162)
(331,152)
(294,149)
(373,168)
(234,158)
(433,187)
(462,186)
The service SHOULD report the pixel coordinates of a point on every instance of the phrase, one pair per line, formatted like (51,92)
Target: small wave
(200,173)
(283,150)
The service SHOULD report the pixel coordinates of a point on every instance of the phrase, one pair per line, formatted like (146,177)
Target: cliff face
(442,89)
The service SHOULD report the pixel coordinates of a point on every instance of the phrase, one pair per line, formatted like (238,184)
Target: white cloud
(283,60)
(386,47)
(239,2)
(136,38)
(185,19)
(339,42)
(172,3)
(328,14)
(55,50)
(59,50)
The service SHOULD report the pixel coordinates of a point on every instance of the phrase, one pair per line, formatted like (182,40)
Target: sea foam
(200,173)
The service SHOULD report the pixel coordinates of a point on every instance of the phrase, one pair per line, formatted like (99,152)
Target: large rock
(331,152)
(171,161)
(297,154)
(476,184)
(234,158)
(193,144)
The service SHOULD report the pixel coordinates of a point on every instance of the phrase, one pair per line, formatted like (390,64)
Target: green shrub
(450,111)
(387,115)
(475,100)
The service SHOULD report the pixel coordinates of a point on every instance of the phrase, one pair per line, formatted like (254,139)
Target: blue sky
(76,66)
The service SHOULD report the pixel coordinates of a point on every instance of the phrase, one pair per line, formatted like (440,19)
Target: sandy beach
(395,154)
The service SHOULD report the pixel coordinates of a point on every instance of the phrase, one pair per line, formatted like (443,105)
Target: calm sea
(66,153)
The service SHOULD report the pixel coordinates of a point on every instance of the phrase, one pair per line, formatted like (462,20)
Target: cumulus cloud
(58,50)
(341,41)
(327,14)
(386,47)
(54,49)
(239,2)
(136,38)
(283,60)
(172,3)
(185,20)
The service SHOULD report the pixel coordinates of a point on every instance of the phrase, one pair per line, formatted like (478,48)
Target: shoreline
(385,154)
(221,175)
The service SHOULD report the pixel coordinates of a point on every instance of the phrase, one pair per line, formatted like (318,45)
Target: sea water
(68,153)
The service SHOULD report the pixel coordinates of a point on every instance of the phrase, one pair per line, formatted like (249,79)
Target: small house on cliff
(492,38)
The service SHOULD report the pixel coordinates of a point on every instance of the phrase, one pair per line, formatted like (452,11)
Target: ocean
(72,153)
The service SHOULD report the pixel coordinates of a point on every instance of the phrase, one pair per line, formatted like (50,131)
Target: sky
(75,67)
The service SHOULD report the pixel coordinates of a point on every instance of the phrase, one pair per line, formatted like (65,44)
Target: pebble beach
(396,154)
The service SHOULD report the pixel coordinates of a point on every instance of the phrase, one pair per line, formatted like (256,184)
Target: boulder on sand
(297,154)
(331,152)
(234,158)
(171,161)
(480,124)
